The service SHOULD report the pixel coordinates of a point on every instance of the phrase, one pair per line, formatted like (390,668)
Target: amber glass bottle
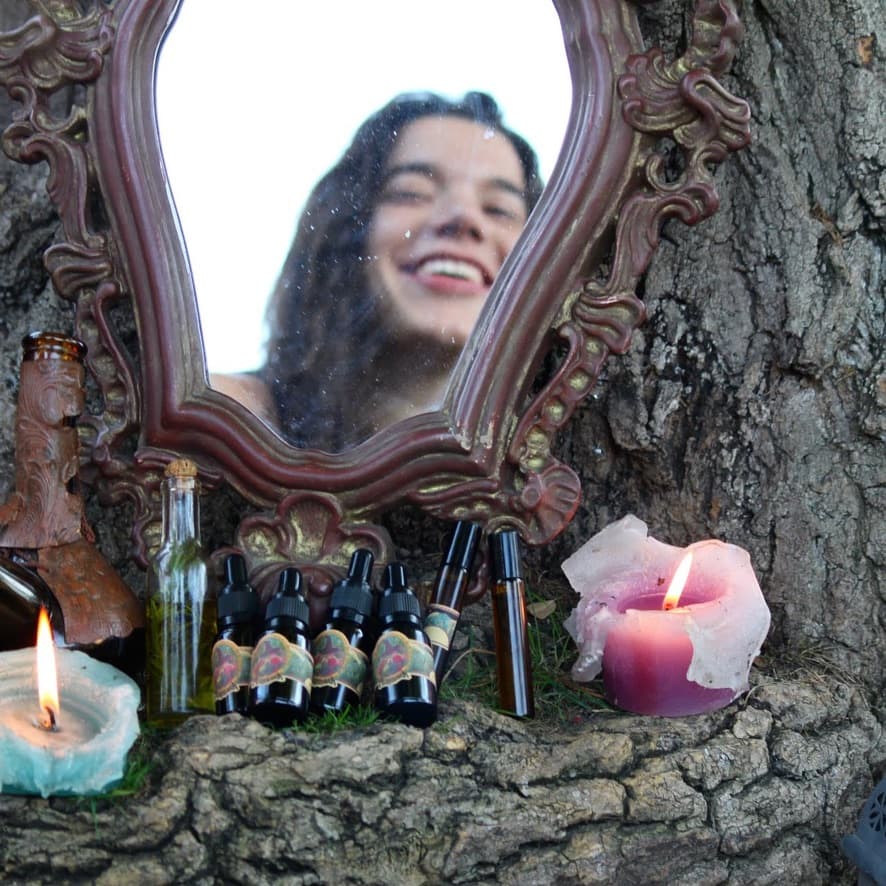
(513,663)
(282,664)
(342,650)
(180,612)
(236,610)
(402,661)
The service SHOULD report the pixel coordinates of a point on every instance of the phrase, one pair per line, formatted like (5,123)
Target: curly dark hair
(325,334)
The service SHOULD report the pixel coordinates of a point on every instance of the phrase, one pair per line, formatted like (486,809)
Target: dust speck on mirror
(344,231)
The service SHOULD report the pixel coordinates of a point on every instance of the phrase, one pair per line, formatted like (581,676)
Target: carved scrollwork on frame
(681,100)
(315,526)
(63,47)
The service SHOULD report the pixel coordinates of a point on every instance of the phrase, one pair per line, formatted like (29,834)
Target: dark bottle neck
(287,626)
(397,619)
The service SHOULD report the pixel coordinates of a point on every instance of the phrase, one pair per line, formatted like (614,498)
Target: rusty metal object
(43,522)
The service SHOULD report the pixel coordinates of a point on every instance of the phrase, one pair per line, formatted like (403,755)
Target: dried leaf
(542,609)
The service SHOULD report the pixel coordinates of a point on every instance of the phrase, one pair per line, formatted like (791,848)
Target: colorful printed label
(337,662)
(275,659)
(397,657)
(440,624)
(230,667)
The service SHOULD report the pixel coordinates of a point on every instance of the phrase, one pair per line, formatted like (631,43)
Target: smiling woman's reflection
(392,260)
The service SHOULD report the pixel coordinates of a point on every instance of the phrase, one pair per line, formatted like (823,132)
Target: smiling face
(451,207)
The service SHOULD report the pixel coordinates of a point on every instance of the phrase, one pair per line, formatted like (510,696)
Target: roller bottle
(232,652)
(402,661)
(453,577)
(513,663)
(282,663)
(342,651)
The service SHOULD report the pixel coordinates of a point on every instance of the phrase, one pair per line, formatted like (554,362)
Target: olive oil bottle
(180,613)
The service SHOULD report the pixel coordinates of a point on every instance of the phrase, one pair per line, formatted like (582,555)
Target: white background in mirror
(256,102)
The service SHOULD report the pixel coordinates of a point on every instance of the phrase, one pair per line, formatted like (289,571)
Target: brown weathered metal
(43,522)
(569,285)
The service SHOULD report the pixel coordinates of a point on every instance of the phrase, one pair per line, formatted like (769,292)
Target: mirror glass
(252,116)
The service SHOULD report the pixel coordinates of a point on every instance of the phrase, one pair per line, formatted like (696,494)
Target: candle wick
(49,722)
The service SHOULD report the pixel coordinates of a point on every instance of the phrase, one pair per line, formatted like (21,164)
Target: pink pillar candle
(688,659)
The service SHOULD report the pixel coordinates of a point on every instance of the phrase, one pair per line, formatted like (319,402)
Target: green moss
(337,721)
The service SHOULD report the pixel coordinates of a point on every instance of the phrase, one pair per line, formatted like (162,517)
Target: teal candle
(96,725)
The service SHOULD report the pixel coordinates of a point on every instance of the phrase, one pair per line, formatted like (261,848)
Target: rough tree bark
(750,408)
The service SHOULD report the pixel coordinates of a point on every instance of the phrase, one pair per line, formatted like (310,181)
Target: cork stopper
(181,467)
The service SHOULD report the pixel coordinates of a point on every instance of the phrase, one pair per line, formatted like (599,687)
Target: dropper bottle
(282,664)
(237,607)
(402,661)
(342,650)
(453,577)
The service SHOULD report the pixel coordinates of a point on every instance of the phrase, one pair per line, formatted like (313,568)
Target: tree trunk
(750,408)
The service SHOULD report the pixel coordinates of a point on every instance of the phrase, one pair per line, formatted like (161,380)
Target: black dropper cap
(288,601)
(354,591)
(397,597)
(505,550)
(463,543)
(236,600)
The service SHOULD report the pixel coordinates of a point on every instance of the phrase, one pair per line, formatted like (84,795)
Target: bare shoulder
(249,390)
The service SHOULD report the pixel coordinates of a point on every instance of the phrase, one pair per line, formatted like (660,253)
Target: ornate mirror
(643,136)
(238,227)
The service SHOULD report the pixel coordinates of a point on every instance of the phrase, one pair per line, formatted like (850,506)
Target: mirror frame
(569,285)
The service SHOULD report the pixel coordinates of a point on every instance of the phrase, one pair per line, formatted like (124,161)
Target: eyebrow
(433,172)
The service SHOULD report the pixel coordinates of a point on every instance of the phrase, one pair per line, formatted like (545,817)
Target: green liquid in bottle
(180,614)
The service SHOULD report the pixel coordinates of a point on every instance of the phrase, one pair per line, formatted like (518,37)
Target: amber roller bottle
(509,620)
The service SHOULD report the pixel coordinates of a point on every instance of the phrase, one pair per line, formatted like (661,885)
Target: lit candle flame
(678,583)
(47,681)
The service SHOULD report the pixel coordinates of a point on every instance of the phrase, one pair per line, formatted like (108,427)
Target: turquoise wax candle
(95,724)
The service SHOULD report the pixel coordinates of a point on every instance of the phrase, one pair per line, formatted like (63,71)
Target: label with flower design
(337,662)
(230,667)
(397,657)
(440,623)
(275,659)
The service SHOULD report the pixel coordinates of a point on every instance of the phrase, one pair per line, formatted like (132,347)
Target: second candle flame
(678,583)
(47,679)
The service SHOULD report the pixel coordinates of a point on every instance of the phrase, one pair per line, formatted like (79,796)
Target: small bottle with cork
(180,611)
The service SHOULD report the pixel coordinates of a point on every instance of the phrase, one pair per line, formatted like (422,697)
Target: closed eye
(505,212)
(405,195)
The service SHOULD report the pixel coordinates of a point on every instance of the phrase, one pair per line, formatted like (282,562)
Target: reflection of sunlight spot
(488,133)
(408,234)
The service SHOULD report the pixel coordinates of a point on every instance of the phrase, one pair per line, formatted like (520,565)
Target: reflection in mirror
(363,305)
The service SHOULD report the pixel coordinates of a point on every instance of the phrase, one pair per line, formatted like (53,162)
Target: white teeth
(450,267)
